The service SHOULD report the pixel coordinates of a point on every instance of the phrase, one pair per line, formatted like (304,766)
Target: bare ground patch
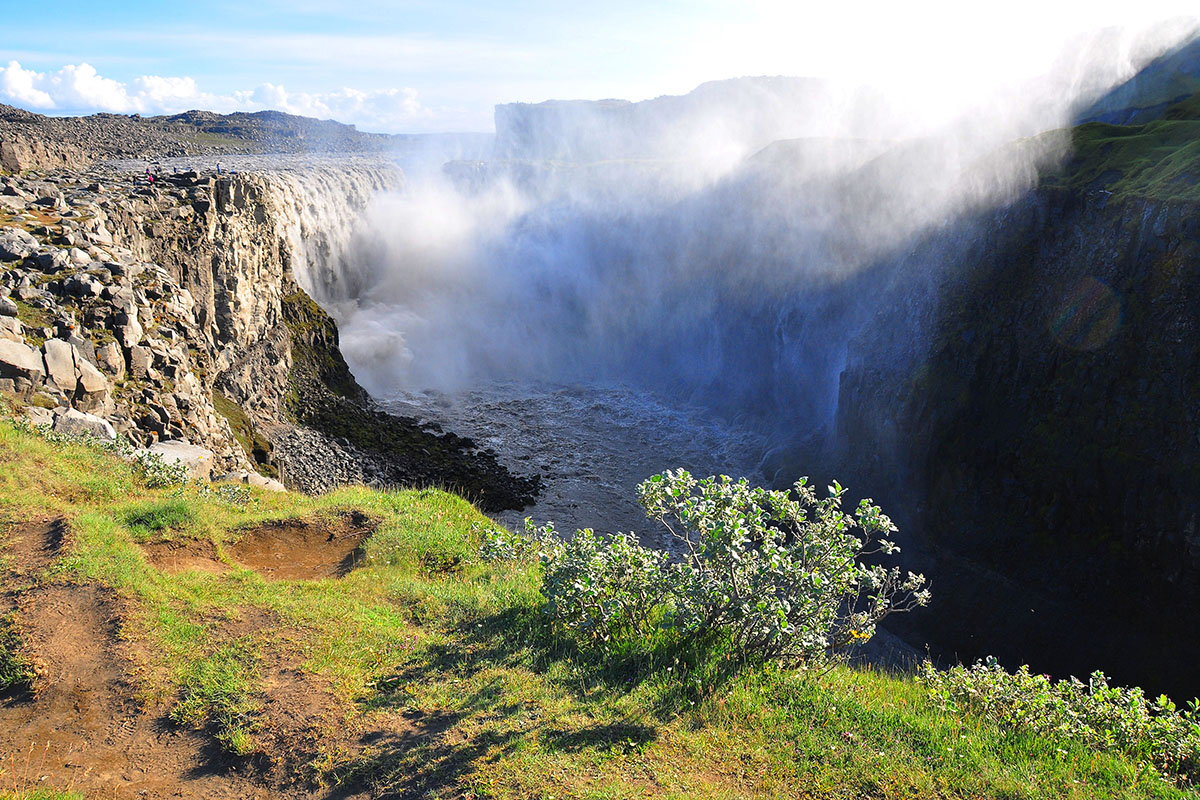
(85,725)
(34,546)
(81,724)
(183,555)
(298,549)
(293,549)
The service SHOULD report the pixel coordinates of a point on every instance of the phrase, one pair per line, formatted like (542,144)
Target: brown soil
(34,546)
(302,549)
(81,726)
(294,549)
(81,729)
(184,555)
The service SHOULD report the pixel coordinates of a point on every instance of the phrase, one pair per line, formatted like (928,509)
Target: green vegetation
(217,689)
(765,575)
(1158,160)
(483,697)
(1103,717)
(255,445)
(160,517)
(16,673)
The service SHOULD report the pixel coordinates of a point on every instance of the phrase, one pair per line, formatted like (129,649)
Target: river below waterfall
(592,445)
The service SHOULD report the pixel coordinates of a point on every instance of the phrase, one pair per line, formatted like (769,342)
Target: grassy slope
(1158,160)
(504,712)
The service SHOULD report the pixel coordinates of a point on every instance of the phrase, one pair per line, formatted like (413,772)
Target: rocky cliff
(170,311)
(1043,439)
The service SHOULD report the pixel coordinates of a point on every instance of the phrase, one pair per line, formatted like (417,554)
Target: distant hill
(35,141)
(1165,81)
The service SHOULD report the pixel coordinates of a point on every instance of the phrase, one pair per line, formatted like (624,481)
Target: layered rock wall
(170,310)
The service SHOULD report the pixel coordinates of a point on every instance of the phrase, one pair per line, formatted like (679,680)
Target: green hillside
(383,658)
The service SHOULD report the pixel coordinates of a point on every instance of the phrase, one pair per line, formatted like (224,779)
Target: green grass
(425,639)
(255,445)
(1158,160)
(16,673)
(160,517)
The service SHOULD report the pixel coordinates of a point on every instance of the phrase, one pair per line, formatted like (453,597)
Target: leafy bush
(609,590)
(1155,732)
(779,575)
(156,473)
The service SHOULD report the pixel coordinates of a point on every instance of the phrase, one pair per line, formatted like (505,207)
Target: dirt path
(82,728)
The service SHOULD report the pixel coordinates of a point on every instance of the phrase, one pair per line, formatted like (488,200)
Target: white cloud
(80,89)
(17,87)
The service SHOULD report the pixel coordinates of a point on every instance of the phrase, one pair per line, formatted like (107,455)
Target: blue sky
(391,65)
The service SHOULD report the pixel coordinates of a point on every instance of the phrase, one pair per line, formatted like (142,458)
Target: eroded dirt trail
(292,549)
(82,727)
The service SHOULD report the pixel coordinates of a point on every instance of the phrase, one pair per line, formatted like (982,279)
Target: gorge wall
(176,308)
(1044,447)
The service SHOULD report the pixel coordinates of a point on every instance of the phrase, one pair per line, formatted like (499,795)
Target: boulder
(53,261)
(92,388)
(109,359)
(60,366)
(128,330)
(198,460)
(140,360)
(78,423)
(8,307)
(12,329)
(21,362)
(40,416)
(254,479)
(16,244)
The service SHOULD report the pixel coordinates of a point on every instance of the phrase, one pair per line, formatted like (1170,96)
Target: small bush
(1103,717)
(156,473)
(149,468)
(777,575)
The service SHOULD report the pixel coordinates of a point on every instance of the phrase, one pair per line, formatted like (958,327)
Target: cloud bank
(80,89)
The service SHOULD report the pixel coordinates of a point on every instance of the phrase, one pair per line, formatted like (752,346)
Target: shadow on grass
(427,756)
(437,750)
(623,736)
(682,671)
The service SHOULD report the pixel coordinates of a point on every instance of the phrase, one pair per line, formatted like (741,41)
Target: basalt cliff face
(1042,442)
(169,312)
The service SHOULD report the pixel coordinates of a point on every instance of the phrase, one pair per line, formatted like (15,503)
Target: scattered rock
(16,244)
(76,423)
(19,361)
(198,460)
